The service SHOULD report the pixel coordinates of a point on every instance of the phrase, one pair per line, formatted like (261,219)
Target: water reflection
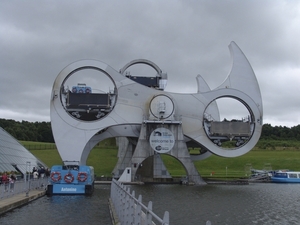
(221,204)
(63,210)
(226,204)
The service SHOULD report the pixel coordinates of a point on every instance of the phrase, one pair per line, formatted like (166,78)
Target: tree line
(28,131)
(42,132)
(280,133)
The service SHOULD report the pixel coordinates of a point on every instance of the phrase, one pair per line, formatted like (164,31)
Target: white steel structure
(138,108)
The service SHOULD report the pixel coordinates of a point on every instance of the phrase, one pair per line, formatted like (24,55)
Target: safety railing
(131,210)
(22,186)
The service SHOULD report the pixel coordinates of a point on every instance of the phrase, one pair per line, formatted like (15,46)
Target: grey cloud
(185,38)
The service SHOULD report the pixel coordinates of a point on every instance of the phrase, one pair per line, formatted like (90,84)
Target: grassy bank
(104,159)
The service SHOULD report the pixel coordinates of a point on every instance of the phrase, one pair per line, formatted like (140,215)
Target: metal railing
(40,146)
(22,186)
(131,210)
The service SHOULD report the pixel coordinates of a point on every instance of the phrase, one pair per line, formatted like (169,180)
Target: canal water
(257,203)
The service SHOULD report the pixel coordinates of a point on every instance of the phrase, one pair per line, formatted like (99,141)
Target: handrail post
(138,211)
(166,218)
(149,216)
(131,208)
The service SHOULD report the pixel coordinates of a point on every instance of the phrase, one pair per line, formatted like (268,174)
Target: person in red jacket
(5,180)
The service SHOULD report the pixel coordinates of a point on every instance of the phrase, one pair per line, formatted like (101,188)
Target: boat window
(292,175)
(281,175)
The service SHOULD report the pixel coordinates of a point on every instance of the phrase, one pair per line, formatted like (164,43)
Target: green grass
(259,159)
(49,157)
(174,167)
(104,159)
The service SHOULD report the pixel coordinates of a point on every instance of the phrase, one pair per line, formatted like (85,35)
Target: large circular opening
(234,125)
(140,70)
(231,109)
(88,94)
(149,75)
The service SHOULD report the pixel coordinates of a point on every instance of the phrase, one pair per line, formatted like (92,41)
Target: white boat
(286,176)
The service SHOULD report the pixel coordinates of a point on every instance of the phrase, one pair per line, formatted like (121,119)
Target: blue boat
(71,180)
(285,176)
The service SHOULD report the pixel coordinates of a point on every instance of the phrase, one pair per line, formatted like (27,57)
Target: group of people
(40,173)
(8,180)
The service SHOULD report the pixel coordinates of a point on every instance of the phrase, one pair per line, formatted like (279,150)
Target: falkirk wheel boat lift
(148,121)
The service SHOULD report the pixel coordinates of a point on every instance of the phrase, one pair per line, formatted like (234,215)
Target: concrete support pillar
(125,151)
(142,151)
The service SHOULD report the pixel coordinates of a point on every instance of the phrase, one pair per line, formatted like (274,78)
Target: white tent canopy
(14,156)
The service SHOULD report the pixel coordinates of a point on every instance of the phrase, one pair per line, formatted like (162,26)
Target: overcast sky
(184,38)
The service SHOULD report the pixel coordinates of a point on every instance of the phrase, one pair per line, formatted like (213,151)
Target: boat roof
(287,171)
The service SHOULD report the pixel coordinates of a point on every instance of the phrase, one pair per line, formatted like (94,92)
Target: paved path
(12,202)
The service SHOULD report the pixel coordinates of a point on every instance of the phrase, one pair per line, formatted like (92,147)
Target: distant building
(14,156)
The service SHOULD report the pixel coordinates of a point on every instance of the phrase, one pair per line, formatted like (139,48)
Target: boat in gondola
(71,180)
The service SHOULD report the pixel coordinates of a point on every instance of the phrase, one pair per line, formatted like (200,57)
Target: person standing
(47,173)
(35,175)
(42,172)
(5,180)
(12,180)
